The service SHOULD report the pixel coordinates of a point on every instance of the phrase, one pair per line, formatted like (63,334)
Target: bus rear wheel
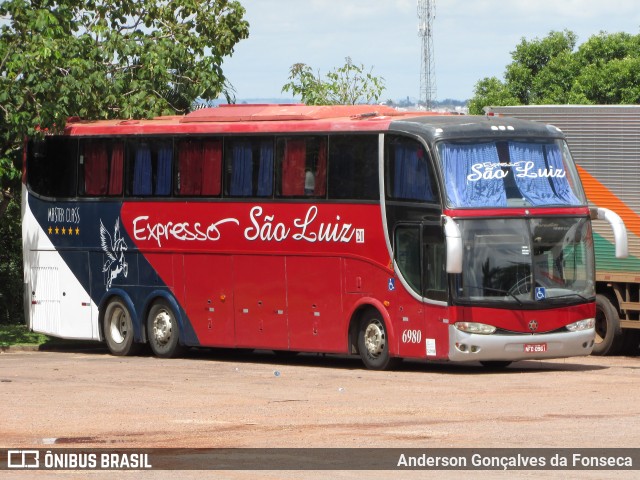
(118,329)
(373,342)
(163,331)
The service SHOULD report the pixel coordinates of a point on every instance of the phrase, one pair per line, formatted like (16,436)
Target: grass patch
(19,335)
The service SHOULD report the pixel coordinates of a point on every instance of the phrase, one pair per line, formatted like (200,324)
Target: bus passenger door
(420,256)
(434,285)
(409,310)
(260,302)
(208,281)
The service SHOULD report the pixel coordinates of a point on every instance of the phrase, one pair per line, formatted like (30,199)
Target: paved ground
(87,398)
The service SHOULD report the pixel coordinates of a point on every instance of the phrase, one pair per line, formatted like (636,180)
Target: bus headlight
(473,327)
(580,325)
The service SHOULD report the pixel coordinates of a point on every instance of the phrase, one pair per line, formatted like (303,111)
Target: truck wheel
(609,336)
(163,331)
(118,329)
(373,342)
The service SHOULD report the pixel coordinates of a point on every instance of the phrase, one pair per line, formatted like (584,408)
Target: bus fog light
(581,325)
(461,346)
(473,327)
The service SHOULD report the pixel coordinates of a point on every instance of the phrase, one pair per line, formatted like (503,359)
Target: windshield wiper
(506,292)
(572,294)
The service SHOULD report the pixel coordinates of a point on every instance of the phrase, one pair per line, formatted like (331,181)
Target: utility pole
(426,15)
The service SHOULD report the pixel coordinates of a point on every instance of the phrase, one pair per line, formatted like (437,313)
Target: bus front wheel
(163,331)
(609,336)
(373,342)
(118,329)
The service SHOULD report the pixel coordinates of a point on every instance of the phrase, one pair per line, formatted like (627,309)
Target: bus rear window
(51,167)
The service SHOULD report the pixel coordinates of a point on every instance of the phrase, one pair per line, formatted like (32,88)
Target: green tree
(603,70)
(349,84)
(109,59)
(101,59)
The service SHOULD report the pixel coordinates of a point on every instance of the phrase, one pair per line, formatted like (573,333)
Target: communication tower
(426,15)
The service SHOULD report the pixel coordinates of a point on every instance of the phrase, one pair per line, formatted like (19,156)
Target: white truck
(605,143)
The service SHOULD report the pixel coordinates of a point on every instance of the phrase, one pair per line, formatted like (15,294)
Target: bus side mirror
(618,227)
(453,238)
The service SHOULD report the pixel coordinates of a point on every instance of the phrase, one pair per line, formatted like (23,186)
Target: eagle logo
(114,248)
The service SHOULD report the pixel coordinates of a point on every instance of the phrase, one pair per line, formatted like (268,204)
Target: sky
(472,39)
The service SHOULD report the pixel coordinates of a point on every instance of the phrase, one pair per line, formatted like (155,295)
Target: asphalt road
(85,398)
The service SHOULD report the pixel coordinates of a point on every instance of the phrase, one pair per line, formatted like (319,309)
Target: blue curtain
(462,191)
(529,170)
(142,171)
(265,174)
(560,184)
(163,173)
(241,170)
(411,177)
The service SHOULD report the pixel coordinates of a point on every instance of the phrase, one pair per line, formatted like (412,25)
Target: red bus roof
(252,118)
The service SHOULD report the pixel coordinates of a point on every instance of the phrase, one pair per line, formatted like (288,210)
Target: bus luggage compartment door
(260,302)
(60,305)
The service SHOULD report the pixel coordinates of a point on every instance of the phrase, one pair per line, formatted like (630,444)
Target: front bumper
(468,347)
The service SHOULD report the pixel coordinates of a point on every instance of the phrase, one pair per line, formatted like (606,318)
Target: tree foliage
(101,59)
(603,70)
(109,59)
(349,84)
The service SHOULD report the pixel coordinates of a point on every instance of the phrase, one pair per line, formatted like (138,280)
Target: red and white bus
(337,229)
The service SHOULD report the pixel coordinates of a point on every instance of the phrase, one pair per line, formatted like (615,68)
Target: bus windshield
(510,173)
(520,261)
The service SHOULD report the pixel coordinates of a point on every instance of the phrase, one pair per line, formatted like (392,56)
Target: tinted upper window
(101,167)
(302,166)
(199,167)
(149,167)
(51,166)
(409,174)
(249,166)
(353,167)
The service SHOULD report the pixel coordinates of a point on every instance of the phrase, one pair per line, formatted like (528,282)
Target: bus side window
(150,168)
(101,167)
(302,166)
(199,167)
(409,174)
(353,167)
(51,166)
(249,167)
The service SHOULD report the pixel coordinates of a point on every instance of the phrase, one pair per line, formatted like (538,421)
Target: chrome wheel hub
(374,338)
(162,327)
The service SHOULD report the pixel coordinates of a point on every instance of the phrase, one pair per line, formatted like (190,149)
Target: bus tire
(609,336)
(373,342)
(163,331)
(118,329)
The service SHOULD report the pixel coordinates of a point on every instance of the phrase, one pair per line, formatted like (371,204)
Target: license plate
(535,347)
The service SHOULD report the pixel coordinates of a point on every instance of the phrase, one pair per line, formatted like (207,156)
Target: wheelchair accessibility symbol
(541,293)
(392,284)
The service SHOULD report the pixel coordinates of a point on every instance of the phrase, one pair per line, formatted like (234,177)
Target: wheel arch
(152,298)
(138,326)
(358,310)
